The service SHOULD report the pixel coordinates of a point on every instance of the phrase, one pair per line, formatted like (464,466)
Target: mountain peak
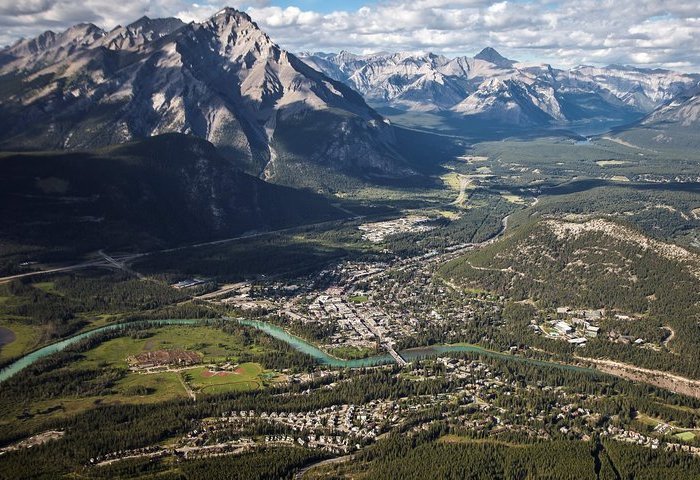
(159,25)
(228,12)
(491,55)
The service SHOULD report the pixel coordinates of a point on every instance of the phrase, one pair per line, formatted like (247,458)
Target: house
(592,331)
(564,327)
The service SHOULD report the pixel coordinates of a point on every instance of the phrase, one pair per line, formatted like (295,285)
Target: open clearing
(610,163)
(473,158)
(685,436)
(26,338)
(248,376)
(451,438)
(516,199)
(212,343)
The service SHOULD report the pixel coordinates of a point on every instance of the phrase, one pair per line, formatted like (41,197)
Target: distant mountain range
(502,91)
(675,125)
(223,80)
(291,120)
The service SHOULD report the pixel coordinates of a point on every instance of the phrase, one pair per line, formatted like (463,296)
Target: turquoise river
(282,335)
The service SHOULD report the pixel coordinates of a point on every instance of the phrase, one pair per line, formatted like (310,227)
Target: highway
(120,262)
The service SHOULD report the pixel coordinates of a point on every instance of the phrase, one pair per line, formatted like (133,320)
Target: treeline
(69,302)
(417,459)
(265,464)
(474,225)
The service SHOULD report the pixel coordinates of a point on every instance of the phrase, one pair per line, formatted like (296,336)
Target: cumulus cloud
(561,32)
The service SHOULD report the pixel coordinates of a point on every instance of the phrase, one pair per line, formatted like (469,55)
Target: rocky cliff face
(223,80)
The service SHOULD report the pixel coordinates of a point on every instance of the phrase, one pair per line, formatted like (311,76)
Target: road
(119,265)
(223,290)
(659,378)
(94,263)
(120,262)
(400,361)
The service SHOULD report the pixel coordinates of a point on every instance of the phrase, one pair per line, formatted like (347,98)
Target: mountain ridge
(490,87)
(222,79)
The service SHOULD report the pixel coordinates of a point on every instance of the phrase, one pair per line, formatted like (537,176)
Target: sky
(564,33)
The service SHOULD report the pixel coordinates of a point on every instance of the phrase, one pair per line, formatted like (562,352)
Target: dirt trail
(187,388)
(670,337)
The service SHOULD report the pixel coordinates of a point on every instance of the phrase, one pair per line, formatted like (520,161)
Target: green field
(27,338)
(685,436)
(215,346)
(358,299)
(212,343)
(246,377)
(647,420)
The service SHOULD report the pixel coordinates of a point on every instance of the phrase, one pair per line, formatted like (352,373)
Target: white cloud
(561,32)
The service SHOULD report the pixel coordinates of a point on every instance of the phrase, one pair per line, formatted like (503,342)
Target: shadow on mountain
(162,191)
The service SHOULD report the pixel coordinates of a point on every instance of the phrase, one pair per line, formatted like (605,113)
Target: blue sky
(564,33)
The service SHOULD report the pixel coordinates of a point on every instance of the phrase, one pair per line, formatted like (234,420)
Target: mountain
(223,80)
(161,191)
(490,55)
(511,102)
(502,91)
(140,33)
(675,125)
(403,80)
(48,48)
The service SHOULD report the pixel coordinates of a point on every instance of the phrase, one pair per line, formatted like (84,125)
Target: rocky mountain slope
(223,80)
(672,126)
(494,88)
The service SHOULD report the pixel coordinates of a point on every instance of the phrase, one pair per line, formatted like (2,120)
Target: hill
(160,191)
(593,263)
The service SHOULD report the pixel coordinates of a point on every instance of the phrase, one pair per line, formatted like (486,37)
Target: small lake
(282,335)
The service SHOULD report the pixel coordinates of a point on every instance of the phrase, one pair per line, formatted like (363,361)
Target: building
(564,327)
(592,331)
